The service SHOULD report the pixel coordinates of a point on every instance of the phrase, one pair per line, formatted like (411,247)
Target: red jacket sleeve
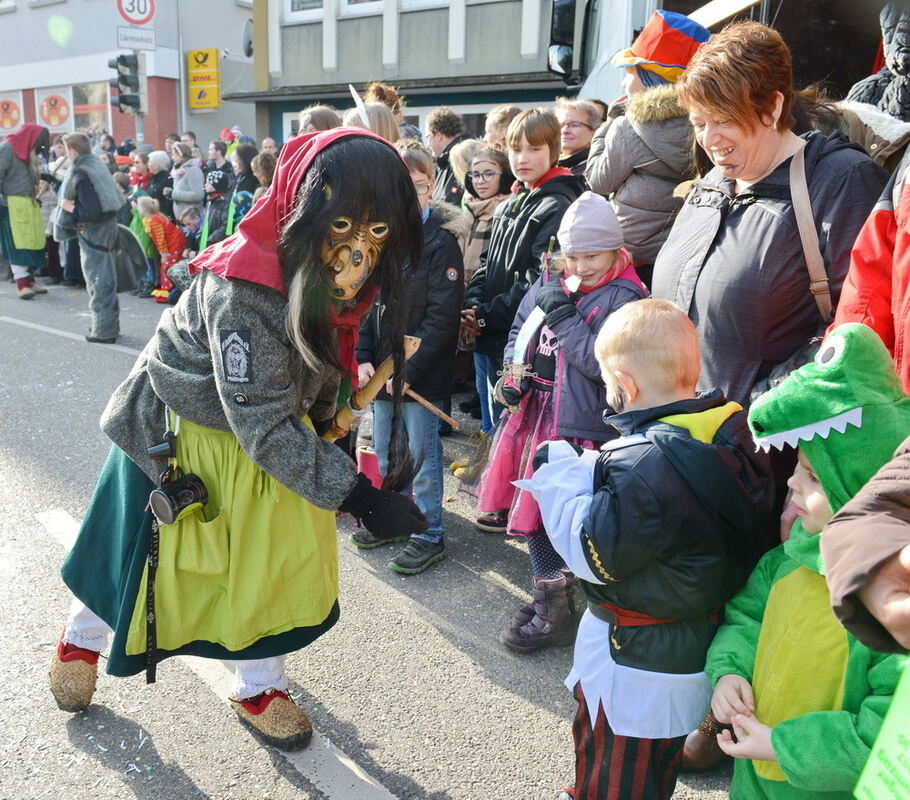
(866,296)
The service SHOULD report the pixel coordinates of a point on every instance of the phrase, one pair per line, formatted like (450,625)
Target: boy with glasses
(433,290)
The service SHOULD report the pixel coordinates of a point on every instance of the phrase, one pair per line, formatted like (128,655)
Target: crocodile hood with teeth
(845,410)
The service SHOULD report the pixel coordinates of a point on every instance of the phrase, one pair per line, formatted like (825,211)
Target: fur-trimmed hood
(656,116)
(454,220)
(655,105)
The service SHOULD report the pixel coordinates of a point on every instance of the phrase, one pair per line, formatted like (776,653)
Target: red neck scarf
(346,325)
(24,140)
(142,181)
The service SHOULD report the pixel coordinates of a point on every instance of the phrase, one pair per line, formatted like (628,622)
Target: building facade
(467,54)
(54,64)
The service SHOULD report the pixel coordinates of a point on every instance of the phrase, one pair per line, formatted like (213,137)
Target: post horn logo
(200,57)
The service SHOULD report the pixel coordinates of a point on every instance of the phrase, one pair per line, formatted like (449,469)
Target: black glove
(542,455)
(383,513)
(555,303)
(506,393)
(551,296)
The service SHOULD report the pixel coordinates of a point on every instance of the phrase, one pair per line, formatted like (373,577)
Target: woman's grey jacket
(636,161)
(735,263)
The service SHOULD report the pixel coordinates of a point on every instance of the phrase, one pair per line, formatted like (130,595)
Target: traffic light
(131,83)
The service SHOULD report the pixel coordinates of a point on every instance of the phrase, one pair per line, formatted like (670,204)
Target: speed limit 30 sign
(136,12)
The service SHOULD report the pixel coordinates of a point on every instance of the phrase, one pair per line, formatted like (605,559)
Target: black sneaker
(492,522)
(418,554)
(366,541)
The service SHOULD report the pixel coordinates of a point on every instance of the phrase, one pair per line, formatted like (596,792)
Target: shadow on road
(122,746)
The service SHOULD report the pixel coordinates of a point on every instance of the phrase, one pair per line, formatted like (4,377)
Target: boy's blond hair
(147,205)
(652,339)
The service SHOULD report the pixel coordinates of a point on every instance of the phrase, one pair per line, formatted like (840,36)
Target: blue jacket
(580,395)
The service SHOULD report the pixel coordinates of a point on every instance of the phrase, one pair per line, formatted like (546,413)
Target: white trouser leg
(20,272)
(85,628)
(252,677)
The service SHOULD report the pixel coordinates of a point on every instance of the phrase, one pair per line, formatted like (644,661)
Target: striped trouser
(611,767)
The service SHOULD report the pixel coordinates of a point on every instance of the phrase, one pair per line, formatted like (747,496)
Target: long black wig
(366,180)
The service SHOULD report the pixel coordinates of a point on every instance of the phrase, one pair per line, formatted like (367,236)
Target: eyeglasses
(422,188)
(486,176)
(572,125)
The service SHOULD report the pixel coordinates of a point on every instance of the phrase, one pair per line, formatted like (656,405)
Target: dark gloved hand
(542,454)
(383,513)
(506,393)
(555,303)
(551,296)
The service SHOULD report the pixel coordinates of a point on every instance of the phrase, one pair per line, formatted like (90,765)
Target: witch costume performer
(211,531)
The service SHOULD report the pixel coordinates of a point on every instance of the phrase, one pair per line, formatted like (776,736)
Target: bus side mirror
(559,60)
(560,53)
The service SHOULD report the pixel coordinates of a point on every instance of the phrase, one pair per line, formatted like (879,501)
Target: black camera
(177,498)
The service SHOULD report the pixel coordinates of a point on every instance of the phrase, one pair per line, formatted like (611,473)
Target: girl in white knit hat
(551,385)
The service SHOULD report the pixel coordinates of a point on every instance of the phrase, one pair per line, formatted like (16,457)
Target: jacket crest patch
(452,274)
(237,355)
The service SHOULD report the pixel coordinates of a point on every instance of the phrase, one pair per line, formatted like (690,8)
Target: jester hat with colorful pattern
(665,46)
(845,410)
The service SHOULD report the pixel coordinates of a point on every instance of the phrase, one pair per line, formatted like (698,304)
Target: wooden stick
(430,407)
(344,418)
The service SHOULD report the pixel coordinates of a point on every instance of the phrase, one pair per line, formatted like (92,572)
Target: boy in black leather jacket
(656,527)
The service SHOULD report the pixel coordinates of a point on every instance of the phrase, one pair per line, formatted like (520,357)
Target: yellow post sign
(203,79)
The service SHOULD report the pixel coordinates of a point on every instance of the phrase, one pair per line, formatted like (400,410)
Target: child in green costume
(805,698)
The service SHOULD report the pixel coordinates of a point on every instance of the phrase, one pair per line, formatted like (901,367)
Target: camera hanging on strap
(177,495)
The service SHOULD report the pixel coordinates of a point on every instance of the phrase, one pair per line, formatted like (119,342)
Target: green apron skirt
(253,574)
(21,258)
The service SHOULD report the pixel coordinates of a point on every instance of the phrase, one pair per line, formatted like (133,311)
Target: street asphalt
(411,694)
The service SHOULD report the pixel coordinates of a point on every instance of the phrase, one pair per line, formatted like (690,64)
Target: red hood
(252,252)
(24,140)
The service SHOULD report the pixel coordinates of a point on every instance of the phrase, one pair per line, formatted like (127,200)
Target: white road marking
(329,769)
(59,523)
(67,335)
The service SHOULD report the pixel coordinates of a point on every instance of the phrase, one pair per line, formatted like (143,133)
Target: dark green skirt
(106,564)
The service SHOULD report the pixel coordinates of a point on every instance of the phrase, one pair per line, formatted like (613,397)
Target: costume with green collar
(823,693)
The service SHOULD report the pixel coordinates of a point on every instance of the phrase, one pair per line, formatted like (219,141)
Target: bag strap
(808,234)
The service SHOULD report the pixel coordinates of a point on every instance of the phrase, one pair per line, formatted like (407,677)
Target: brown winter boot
(74,673)
(554,621)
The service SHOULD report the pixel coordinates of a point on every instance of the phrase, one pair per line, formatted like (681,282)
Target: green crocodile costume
(823,693)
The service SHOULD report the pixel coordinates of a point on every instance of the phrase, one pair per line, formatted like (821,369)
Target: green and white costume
(823,693)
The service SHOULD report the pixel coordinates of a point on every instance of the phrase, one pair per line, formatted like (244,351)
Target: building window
(360,8)
(414,5)
(302,11)
(91,109)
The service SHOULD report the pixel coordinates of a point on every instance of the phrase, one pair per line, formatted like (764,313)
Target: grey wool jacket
(16,177)
(221,358)
(636,161)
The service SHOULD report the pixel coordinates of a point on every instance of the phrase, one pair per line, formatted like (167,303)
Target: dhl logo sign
(203,78)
